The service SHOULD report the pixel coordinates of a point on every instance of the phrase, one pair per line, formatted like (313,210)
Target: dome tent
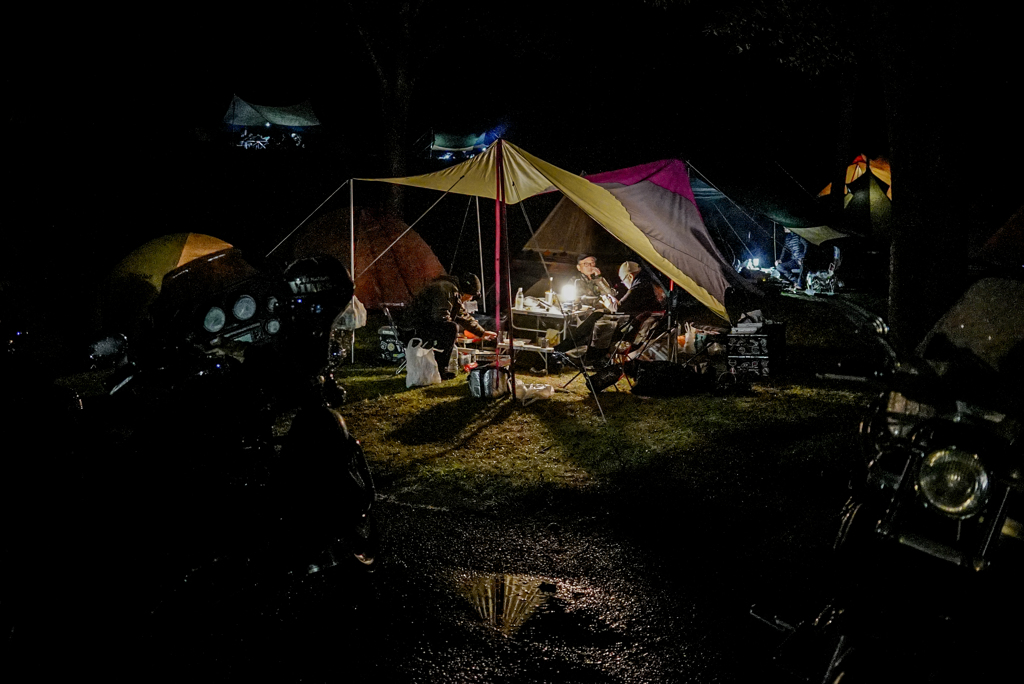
(384,276)
(133,285)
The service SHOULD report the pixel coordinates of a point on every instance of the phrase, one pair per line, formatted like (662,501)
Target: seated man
(594,291)
(641,292)
(437,312)
(591,288)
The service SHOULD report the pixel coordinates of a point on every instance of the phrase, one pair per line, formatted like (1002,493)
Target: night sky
(114,121)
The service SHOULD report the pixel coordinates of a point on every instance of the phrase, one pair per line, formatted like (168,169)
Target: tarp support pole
(480,250)
(352,248)
(499,205)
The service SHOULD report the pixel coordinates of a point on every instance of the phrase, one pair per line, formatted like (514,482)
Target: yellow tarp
(818,234)
(525,176)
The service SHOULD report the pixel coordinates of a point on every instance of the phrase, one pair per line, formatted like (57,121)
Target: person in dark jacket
(791,265)
(593,291)
(437,312)
(641,293)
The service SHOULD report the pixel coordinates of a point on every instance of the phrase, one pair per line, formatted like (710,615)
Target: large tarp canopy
(650,208)
(663,205)
(242,113)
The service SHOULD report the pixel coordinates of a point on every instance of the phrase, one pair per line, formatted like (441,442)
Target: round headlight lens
(953,481)
(244,308)
(214,320)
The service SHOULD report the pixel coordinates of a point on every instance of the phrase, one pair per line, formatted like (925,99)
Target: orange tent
(387,276)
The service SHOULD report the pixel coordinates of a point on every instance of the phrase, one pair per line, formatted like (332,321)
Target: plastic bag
(690,346)
(353,317)
(531,393)
(420,365)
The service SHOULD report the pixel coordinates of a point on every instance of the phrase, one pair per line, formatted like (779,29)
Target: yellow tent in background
(879,168)
(153,260)
(135,282)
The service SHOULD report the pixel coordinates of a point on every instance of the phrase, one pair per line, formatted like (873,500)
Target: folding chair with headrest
(402,336)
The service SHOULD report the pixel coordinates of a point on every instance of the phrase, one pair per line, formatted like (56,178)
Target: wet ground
(640,583)
(647,577)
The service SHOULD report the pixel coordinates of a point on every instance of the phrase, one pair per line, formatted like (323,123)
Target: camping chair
(649,334)
(593,360)
(602,354)
(401,339)
(826,282)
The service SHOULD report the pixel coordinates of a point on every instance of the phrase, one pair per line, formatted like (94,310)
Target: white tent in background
(242,113)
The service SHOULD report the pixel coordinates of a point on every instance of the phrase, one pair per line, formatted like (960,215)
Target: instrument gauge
(244,308)
(214,320)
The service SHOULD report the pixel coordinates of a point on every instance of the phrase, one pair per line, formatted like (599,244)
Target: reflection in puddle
(506,601)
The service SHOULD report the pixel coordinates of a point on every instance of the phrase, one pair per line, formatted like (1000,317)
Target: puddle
(505,601)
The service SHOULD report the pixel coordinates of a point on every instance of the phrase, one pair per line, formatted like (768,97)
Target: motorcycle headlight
(953,481)
(214,320)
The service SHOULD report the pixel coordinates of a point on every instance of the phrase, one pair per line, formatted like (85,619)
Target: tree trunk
(387,36)
(395,102)
(395,110)
(927,253)
(847,82)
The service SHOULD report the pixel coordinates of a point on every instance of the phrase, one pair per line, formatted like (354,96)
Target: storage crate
(759,353)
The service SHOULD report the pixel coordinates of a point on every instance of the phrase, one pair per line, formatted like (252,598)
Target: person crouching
(437,312)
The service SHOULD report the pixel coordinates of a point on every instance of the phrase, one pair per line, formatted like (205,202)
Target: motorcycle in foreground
(930,547)
(237,351)
(216,461)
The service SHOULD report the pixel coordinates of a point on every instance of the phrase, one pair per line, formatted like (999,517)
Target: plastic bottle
(519,299)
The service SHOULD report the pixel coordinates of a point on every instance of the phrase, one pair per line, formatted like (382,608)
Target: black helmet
(469,284)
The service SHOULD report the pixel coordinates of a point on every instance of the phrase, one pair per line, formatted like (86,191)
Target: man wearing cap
(641,294)
(591,288)
(437,312)
(594,291)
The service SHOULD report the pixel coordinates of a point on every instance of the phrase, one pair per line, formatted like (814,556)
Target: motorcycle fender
(326,463)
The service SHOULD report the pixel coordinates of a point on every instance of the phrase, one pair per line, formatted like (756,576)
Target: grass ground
(440,443)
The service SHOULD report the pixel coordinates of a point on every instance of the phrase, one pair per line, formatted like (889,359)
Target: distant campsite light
(267,124)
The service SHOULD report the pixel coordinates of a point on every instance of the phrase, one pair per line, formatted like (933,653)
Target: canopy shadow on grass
(454,421)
